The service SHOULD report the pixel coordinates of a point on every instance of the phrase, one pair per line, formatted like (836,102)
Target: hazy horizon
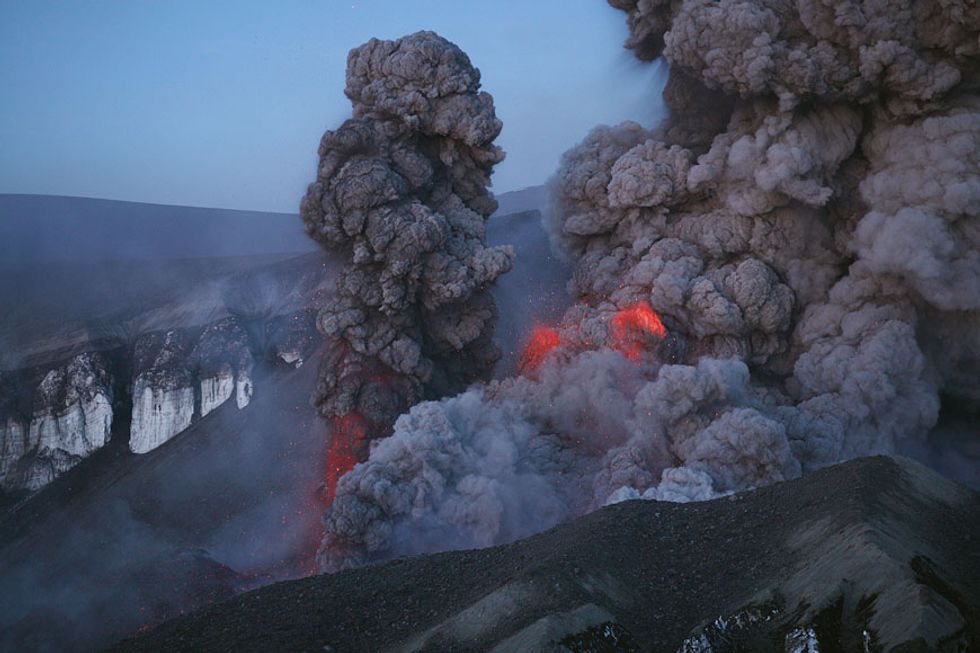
(293,211)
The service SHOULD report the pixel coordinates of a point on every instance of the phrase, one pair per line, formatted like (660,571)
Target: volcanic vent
(782,275)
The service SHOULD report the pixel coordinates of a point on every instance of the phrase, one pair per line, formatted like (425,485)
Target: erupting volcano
(739,306)
(401,194)
(751,280)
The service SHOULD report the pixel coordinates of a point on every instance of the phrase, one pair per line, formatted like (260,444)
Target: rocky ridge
(141,369)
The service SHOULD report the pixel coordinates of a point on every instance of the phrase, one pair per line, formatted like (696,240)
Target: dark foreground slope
(874,554)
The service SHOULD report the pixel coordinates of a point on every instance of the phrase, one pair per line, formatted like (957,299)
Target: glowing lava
(348,446)
(542,341)
(633,328)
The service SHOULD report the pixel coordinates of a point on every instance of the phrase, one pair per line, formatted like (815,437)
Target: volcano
(778,275)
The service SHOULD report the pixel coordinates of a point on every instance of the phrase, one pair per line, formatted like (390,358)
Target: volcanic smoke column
(401,192)
(782,275)
(810,207)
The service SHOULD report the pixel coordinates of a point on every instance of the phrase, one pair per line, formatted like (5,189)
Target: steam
(805,226)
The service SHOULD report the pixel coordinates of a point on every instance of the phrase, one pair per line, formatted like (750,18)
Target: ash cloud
(804,223)
(401,193)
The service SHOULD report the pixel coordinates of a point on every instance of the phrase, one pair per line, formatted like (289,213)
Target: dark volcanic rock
(294,337)
(876,554)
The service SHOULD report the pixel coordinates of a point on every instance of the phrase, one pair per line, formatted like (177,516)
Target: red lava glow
(542,341)
(633,328)
(348,446)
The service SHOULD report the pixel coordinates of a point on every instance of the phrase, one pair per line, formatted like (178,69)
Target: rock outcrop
(181,376)
(294,336)
(224,364)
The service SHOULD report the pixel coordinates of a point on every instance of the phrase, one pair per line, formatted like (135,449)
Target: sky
(222,104)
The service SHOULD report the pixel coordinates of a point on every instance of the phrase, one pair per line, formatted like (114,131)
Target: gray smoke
(401,192)
(805,223)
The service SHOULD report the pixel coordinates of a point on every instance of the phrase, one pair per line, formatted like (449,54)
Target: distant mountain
(532,198)
(53,309)
(45,228)
(876,554)
(49,228)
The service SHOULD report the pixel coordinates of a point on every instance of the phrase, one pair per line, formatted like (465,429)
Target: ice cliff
(55,415)
(70,416)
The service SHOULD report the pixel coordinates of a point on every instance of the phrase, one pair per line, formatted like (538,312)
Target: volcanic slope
(876,554)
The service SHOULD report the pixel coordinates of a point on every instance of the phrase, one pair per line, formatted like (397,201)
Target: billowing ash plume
(401,191)
(782,275)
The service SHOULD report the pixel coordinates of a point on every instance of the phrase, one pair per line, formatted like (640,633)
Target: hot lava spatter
(542,342)
(635,328)
(633,331)
(349,441)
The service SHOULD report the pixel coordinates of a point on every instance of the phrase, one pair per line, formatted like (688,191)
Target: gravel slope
(877,550)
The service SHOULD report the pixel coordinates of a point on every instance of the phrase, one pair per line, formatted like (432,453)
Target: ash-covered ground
(869,555)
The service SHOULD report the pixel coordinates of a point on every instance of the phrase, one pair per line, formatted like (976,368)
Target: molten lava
(543,340)
(348,446)
(635,328)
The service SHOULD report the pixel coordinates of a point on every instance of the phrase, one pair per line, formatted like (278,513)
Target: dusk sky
(222,104)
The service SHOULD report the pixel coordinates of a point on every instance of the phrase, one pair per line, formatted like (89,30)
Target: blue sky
(207,103)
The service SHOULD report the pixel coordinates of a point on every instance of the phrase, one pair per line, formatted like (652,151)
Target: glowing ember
(348,446)
(634,327)
(543,340)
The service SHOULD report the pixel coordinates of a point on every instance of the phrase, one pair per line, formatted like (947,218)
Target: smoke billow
(782,275)
(401,192)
